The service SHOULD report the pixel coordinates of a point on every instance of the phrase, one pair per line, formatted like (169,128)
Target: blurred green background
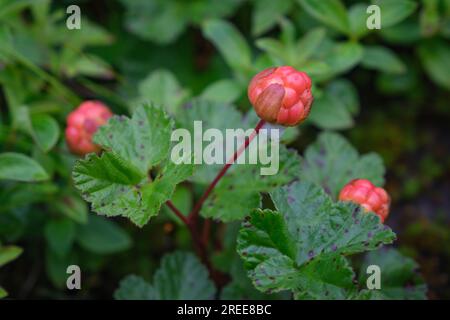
(386,90)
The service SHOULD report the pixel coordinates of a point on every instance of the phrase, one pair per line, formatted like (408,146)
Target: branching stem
(191,221)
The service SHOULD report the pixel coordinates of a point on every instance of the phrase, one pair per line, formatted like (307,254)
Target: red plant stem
(201,242)
(198,245)
(206,230)
(195,212)
(177,212)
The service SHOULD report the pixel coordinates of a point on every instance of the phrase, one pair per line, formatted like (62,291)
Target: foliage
(163,64)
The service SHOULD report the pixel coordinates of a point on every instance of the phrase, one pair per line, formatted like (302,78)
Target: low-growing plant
(224,230)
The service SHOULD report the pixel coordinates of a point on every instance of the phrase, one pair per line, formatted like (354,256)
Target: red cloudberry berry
(82,123)
(281,95)
(370,197)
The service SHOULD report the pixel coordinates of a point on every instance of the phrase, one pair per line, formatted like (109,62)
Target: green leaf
(230,43)
(266,13)
(3,293)
(212,115)
(238,192)
(42,128)
(45,131)
(159,21)
(329,112)
(181,276)
(73,207)
(241,287)
(225,91)
(382,59)
(308,44)
(134,288)
(345,91)
(405,33)
(18,167)
(357,16)
(88,65)
(9,253)
(400,279)
(393,12)
(118,182)
(275,49)
(56,267)
(60,235)
(332,162)
(102,236)
(300,247)
(162,88)
(143,140)
(330,12)
(435,57)
(343,57)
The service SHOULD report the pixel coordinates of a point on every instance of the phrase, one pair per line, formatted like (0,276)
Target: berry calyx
(82,123)
(281,95)
(370,197)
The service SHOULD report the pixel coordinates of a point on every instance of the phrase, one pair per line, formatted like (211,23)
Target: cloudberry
(370,197)
(281,95)
(82,123)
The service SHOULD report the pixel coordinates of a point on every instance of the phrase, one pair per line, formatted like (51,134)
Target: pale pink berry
(82,123)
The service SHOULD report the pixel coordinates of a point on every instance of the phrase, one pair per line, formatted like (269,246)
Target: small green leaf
(181,276)
(329,12)
(56,267)
(357,16)
(162,88)
(102,236)
(343,57)
(134,288)
(400,279)
(45,131)
(158,21)
(225,91)
(230,42)
(332,162)
(275,49)
(393,12)
(345,91)
(435,57)
(329,112)
(73,207)
(3,293)
(9,253)
(266,14)
(18,167)
(60,235)
(308,44)
(382,59)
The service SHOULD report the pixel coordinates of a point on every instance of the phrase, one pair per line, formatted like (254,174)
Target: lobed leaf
(120,182)
(332,162)
(400,279)
(181,276)
(300,247)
